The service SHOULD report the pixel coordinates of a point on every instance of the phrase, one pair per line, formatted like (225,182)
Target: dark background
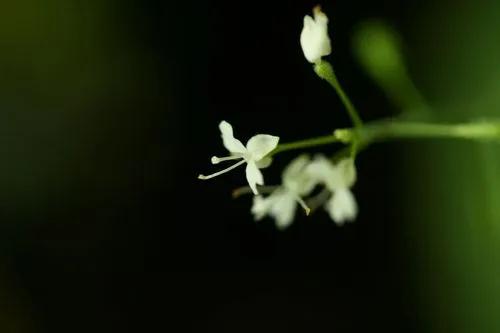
(109,120)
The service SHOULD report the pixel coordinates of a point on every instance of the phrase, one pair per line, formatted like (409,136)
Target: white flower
(338,179)
(254,154)
(342,206)
(282,203)
(314,36)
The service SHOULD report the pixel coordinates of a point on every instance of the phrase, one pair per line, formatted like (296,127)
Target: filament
(303,205)
(203,177)
(216,160)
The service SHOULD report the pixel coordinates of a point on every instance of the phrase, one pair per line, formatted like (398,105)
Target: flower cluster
(303,176)
(299,179)
(321,181)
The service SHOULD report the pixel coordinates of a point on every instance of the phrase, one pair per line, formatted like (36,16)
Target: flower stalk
(325,71)
(310,183)
(386,130)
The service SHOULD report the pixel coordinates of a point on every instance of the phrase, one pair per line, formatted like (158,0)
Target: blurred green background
(456,185)
(81,105)
(108,111)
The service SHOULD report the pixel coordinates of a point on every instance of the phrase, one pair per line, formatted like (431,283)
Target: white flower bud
(314,36)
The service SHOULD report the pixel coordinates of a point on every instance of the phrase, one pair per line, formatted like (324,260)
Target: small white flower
(342,206)
(314,36)
(254,154)
(282,203)
(338,179)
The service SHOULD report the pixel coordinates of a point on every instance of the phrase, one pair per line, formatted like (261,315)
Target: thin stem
(313,142)
(392,129)
(389,129)
(326,72)
(353,113)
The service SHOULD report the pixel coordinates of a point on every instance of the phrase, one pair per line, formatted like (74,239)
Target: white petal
(323,171)
(347,172)
(283,209)
(231,144)
(322,23)
(260,207)
(334,176)
(296,179)
(342,206)
(319,16)
(280,205)
(264,163)
(314,36)
(320,167)
(295,168)
(254,176)
(260,145)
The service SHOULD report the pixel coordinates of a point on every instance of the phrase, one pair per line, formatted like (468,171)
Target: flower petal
(342,206)
(296,179)
(319,16)
(260,145)
(323,171)
(280,205)
(233,145)
(347,172)
(295,168)
(314,36)
(254,176)
(264,162)
(283,208)
(260,207)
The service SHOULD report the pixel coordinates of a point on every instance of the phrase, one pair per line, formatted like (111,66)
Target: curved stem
(326,72)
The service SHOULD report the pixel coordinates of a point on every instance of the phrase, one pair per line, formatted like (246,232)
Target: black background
(148,246)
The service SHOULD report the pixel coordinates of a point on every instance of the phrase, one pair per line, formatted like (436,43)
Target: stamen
(217,160)
(303,205)
(203,177)
(318,200)
(247,190)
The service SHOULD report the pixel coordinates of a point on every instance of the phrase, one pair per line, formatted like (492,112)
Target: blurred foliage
(79,100)
(75,94)
(379,50)
(456,186)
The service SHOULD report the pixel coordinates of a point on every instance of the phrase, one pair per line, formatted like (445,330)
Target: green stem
(326,72)
(390,129)
(387,130)
(313,142)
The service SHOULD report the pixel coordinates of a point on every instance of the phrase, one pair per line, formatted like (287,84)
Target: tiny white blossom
(282,203)
(314,36)
(342,206)
(338,179)
(254,154)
